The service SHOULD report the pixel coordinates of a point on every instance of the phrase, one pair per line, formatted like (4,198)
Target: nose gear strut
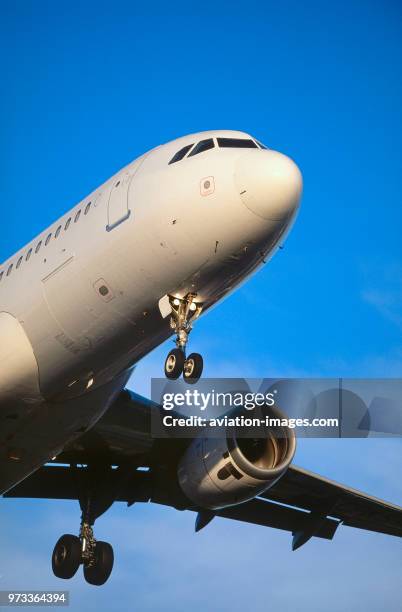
(184,311)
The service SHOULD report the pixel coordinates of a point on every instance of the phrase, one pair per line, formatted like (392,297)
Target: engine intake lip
(280,447)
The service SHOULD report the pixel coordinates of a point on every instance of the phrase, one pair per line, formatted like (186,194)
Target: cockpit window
(203,145)
(237,143)
(180,154)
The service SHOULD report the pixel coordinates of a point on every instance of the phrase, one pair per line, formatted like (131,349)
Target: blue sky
(87,87)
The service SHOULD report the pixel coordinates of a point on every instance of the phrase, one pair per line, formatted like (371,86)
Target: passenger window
(77,216)
(9,269)
(1,275)
(38,246)
(87,207)
(28,255)
(203,145)
(19,262)
(67,223)
(180,154)
(48,239)
(57,231)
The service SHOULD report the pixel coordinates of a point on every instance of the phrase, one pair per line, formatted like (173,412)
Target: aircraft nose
(269,183)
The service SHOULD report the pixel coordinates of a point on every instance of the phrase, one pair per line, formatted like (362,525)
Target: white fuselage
(90,301)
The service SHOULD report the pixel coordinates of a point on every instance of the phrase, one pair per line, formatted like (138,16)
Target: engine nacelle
(218,472)
(19,376)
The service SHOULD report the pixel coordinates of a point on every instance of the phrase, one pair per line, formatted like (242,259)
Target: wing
(134,467)
(65,482)
(353,508)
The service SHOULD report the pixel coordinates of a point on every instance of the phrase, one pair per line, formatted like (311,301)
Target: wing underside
(301,502)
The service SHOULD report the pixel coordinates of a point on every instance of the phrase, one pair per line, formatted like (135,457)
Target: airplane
(136,262)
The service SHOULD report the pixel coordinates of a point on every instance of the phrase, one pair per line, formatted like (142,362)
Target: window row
(45,242)
(209,143)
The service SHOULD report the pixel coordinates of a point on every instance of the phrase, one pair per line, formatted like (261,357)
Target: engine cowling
(218,472)
(19,374)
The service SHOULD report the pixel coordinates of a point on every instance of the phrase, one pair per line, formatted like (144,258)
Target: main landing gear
(184,312)
(71,551)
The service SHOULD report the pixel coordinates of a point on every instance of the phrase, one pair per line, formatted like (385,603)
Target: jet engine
(19,376)
(218,472)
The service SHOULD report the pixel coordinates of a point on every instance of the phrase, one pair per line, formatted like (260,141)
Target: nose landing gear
(184,312)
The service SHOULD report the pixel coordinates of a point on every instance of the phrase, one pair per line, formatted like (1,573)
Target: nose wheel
(184,312)
(174,364)
(193,367)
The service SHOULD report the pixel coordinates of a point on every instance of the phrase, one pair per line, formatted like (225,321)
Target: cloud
(383,280)
(388,304)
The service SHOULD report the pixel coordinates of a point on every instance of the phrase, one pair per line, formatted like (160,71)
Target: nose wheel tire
(193,367)
(174,364)
(99,571)
(66,557)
